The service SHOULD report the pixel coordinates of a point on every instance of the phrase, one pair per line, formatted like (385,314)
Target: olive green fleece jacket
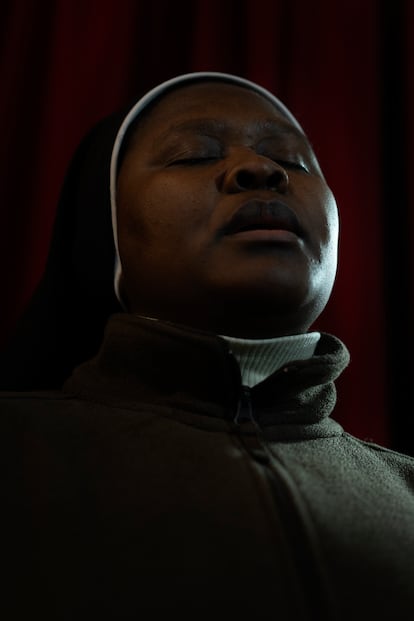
(153,485)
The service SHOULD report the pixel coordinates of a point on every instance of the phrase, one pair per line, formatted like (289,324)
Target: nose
(255,172)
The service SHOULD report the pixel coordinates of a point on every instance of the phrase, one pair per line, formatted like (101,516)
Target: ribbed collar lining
(258,359)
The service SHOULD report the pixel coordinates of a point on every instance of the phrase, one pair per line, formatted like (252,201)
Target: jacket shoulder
(400,462)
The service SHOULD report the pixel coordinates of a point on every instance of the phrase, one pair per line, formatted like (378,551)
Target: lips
(263,215)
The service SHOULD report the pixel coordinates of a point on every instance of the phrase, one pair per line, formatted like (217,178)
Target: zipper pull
(244,407)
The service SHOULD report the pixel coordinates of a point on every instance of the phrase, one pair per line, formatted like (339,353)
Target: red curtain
(66,63)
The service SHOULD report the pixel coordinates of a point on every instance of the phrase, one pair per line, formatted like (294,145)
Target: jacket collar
(158,366)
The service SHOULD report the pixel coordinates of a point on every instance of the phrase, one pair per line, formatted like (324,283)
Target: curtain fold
(65,64)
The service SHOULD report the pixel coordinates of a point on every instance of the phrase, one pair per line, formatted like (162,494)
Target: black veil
(64,321)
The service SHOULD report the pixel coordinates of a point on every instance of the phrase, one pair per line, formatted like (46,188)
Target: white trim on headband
(141,105)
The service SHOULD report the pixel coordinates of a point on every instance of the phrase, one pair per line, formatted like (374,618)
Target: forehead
(230,105)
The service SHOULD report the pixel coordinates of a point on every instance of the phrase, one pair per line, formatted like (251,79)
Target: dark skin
(205,155)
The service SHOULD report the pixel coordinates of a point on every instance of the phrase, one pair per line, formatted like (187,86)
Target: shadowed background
(343,68)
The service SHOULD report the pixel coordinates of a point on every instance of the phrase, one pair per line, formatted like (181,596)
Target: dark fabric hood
(63,323)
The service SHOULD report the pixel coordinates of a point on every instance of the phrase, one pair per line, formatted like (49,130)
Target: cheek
(141,209)
(332,219)
(323,214)
(163,206)
(329,239)
(321,220)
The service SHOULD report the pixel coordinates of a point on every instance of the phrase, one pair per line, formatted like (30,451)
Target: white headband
(142,104)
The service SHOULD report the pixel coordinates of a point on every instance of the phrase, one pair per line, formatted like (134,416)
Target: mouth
(274,217)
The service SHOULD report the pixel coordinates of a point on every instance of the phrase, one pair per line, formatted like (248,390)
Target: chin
(260,313)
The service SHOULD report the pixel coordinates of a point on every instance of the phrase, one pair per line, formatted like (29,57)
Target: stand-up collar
(156,365)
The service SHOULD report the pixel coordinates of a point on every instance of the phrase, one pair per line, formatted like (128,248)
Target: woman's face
(225,221)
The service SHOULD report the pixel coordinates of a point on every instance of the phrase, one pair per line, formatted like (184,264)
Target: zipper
(311,573)
(244,407)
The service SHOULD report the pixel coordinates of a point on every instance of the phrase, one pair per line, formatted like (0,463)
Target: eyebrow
(214,126)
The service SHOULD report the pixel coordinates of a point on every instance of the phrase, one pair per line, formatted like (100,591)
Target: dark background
(343,67)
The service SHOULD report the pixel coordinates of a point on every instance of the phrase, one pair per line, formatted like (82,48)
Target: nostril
(246,180)
(251,180)
(275,179)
